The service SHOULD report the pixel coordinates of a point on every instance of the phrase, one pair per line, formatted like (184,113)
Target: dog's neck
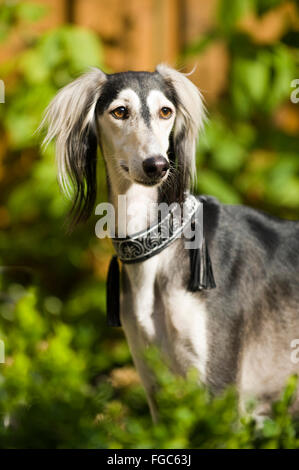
(134,209)
(133,203)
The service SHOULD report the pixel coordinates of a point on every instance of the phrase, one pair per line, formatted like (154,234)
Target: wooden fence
(139,34)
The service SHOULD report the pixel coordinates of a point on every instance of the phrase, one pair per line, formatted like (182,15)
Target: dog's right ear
(189,120)
(70,119)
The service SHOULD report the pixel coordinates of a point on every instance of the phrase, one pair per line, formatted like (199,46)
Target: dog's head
(145,123)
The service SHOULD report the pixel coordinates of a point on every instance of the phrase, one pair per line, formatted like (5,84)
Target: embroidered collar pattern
(145,244)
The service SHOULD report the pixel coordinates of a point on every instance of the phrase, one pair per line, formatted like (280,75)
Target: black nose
(155,167)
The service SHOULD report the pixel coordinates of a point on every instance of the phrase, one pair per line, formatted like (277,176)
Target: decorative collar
(147,243)
(143,245)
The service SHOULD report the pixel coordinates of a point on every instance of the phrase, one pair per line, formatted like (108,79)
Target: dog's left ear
(189,120)
(70,119)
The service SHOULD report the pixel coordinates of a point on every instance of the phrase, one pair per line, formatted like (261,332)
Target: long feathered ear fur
(70,119)
(189,120)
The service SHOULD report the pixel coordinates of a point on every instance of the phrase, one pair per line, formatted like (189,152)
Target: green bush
(55,392)
(243,155)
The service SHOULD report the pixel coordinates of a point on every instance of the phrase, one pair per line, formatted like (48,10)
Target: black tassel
(113,293)
(210,281)
(201,272)
(195,265)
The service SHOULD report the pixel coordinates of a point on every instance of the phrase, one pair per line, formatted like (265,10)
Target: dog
(240,332)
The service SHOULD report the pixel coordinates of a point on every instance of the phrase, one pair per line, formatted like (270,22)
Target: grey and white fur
(146,125)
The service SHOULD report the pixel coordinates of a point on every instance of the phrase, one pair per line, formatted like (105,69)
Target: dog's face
(146,125)
(135,115)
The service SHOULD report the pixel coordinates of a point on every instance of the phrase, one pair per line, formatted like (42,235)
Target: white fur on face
(161,128)
(128,142)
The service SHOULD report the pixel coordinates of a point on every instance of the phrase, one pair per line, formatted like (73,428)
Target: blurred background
(67,379)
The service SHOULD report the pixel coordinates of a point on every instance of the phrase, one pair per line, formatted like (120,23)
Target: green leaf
(30,11)
(210,182)
(231,11)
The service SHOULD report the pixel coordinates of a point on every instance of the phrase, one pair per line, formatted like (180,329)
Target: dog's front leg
(148,379)
(138,344)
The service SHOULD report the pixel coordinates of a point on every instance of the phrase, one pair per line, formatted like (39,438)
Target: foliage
(68,381)
(248,152)
(49,396)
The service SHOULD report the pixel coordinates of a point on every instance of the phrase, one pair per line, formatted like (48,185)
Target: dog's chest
(168,316)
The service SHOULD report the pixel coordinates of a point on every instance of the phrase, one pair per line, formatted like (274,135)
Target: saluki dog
(242,331)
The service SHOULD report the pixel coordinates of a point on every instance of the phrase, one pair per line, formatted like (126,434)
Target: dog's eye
(120,113)
(165,113)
